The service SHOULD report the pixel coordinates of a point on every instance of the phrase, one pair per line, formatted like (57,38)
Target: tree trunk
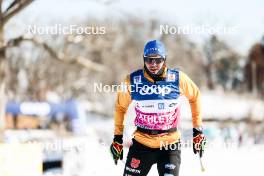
(3,70)
(254,78)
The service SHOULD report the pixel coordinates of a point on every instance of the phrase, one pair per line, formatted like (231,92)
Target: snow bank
(220,105)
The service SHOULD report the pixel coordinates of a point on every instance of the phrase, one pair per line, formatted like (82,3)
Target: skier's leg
(139,160)
(169,161)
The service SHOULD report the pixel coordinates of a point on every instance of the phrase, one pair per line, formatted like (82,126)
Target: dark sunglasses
(150,60)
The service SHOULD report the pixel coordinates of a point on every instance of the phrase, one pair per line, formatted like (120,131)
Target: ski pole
(201,164)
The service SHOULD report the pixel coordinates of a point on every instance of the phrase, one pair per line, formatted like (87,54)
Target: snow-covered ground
(96,160)
(220,158)
(93,158)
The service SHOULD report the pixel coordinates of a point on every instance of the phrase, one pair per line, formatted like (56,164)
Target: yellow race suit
(187,88)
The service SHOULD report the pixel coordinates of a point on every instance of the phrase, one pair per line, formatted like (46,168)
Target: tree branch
(11,5)
(15,7)
(1,1)
(60,56)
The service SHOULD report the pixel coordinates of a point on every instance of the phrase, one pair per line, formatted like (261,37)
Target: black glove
(116,148)
(199,141)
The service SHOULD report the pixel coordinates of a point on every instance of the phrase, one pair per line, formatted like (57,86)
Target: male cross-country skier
(155,92)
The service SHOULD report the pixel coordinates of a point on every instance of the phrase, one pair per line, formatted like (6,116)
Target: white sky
(247,16)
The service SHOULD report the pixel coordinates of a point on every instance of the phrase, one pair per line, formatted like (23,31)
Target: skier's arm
(122,102)
(191,91)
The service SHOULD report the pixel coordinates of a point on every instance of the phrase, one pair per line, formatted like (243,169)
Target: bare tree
(12,9)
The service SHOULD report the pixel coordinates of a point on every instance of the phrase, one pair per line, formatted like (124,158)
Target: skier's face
(154,63)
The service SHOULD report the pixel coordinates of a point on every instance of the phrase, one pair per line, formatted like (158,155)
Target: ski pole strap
(154,132)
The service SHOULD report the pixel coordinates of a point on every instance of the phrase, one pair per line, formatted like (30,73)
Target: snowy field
(219,159)
(92,157)
(243,161)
